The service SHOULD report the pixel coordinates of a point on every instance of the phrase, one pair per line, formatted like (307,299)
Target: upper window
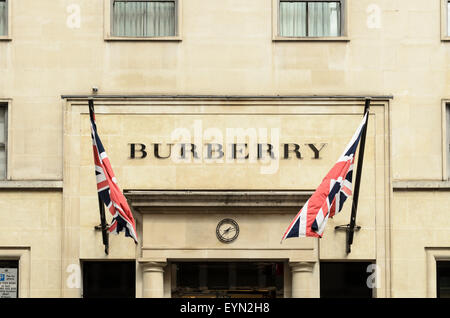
(144,18)
(447,139)
(310,19)
(3,140)
(445,20)
(3,17)
(448,18)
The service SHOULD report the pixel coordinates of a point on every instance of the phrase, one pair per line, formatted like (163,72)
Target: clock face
(227,230)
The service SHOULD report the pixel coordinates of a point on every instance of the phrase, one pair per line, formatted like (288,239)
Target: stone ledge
(148,201)
(32,185)
(421,185)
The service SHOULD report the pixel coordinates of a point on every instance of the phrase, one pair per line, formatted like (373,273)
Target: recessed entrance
(227,280)
(345,280)
(109,279)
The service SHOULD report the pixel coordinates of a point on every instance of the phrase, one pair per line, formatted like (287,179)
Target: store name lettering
(232,151)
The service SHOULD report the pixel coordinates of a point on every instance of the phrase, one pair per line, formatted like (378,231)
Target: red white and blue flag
(108,189)
(329,197)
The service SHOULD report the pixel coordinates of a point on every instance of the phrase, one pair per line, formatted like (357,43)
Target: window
(310,18)
(144,18)
(447,143)
(104,279)
(9,279)
(445,20)
(448,18)
(3,140)
(344,280)
(443,279)
(3,17)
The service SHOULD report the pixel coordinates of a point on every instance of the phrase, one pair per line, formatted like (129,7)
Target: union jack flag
(107,187)
(329,197)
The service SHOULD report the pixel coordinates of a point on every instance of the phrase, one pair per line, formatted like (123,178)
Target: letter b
(133,151)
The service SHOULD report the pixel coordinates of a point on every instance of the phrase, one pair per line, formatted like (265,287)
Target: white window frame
(7,37)
(276,24)
(445,139)
(7,104)
(108,34)
(444,21)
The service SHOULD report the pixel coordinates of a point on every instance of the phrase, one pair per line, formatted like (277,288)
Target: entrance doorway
(109,279)
(227,280)
(345,280)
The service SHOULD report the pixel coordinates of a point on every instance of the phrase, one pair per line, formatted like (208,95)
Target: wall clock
(227,230)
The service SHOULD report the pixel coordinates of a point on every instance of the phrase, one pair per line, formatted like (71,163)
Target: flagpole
(351,227)
(103,225)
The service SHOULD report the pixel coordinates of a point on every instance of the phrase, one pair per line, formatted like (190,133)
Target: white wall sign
(8,283)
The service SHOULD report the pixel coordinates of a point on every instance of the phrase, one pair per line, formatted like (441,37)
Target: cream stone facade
(224,75)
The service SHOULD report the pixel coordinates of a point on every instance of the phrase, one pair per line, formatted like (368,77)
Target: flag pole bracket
(100,227)
(349,231)
(347,227)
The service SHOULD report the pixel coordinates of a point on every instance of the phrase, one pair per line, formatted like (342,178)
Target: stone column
(302,280)
(153,280)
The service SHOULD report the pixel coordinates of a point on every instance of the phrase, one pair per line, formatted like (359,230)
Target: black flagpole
(351,226)
(103,226)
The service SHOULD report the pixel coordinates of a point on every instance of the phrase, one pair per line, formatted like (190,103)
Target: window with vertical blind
(445,20)
(144,18)
(447,9)
(3,139)
(310,18)
(447,139)
(3,17)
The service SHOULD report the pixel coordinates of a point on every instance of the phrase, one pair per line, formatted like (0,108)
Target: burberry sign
(216,151)
(226,145)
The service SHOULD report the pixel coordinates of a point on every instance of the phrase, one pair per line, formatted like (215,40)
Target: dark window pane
(344,280)
(109,279)
(443,279)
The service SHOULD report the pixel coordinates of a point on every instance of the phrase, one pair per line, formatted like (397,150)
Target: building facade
(223,117)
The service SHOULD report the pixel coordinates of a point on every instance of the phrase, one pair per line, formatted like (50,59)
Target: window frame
(445,136)
(445,36)
(276,23)
(7,36)
(108,32)
(7,105)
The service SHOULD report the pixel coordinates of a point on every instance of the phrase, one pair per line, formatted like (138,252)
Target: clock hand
(228,230)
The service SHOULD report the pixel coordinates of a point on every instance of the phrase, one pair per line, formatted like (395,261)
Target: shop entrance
(227,279)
